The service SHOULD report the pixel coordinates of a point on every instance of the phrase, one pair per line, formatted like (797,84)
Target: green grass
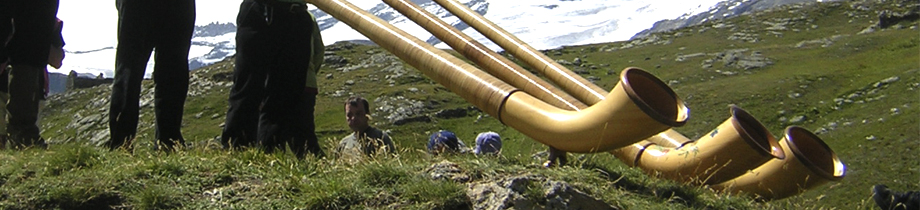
(215,179)
(876,135)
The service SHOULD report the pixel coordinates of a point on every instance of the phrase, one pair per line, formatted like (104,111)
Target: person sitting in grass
(364,139)
(444,142)
(488,143)
(887,199)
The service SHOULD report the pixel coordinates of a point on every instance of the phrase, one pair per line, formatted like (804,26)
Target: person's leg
(34,23)
(6,32)
(556,157)
(131,58)
(279,122)
(23,106)
(253,53)
(312,142)
(4,99)
(171,73)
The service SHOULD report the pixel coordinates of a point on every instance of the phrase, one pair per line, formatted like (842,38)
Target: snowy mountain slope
(544,24)
(721,10)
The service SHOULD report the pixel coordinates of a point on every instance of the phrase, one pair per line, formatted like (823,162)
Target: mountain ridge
(725,9)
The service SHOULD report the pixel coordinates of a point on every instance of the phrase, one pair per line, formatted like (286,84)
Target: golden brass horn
(809,163)
(669,138)
(730,150)
(590,94)
(572,83)
(712,166)
(492,62)
(540,102)
(593,129)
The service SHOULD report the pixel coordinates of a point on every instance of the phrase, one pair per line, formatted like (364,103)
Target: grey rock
(335,61)
(399,110)
(798,119)
(516,192)
(446,170)
(681,58)
(561,195)
(451,113)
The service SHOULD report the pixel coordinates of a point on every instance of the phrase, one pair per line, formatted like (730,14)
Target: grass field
(857,91)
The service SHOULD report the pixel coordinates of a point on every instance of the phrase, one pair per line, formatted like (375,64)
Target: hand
(56,57)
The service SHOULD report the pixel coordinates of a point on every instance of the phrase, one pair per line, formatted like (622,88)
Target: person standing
(165,26)
(273,51)
(28,51)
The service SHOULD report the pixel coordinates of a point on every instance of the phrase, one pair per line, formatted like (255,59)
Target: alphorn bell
(730,150)
(809,163)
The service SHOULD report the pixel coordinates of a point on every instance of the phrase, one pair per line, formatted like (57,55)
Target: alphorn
(764,144)
(659,104)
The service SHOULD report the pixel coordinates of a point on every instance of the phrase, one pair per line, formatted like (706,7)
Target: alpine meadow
(849,71)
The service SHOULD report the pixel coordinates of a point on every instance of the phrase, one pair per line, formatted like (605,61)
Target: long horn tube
(580,88)
(669,138)
(811,164)
(601,127)
(492,62)
(572,83)
(708,160)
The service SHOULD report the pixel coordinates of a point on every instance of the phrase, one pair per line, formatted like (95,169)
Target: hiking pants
(144,26)
(6,31)
(28,52)
(272,58)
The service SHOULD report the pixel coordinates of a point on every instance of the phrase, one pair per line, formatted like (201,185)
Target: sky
(89,24)
(92,25)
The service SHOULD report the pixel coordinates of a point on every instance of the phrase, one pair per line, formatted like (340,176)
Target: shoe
(888,200)
(21,142)
(317,152)
(556,157)
(882,196)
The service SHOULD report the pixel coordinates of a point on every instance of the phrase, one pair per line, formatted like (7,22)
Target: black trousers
(272,58)
(6,30)
(28,53)
(165,26)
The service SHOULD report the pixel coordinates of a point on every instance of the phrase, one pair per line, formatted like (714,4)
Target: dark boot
(3,139)
(557,157)
(888,200)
